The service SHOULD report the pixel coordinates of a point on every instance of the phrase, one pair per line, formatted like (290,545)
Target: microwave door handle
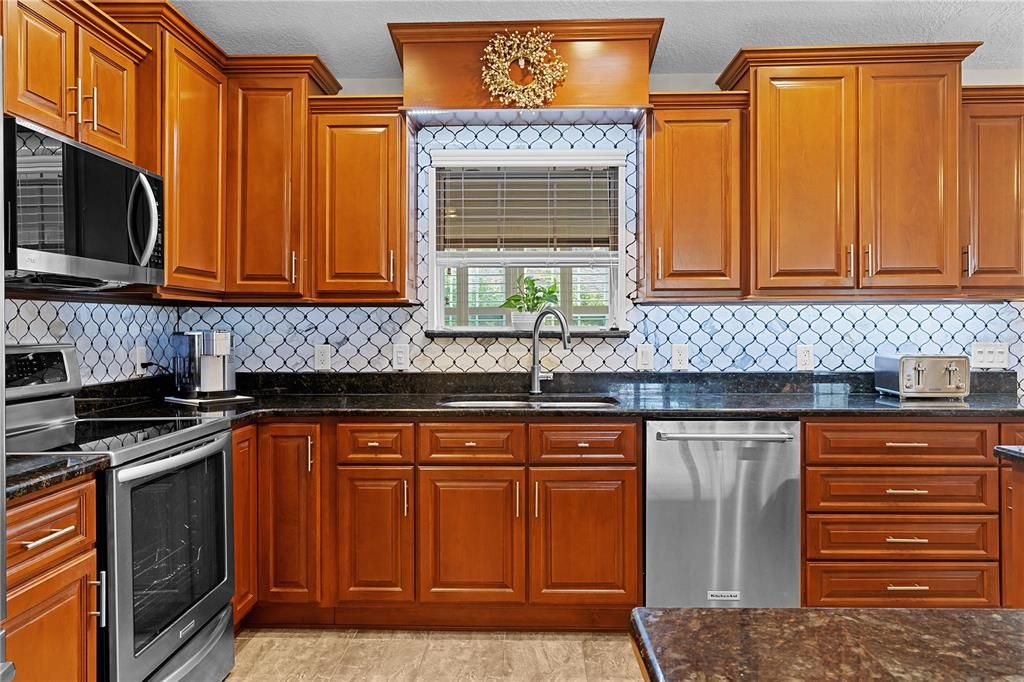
(131,212)
(174,462)
(154,221)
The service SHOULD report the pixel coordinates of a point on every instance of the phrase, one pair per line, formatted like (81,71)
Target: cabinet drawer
(879,489)
(900,585)
(48,530)
(466,442)
(377,443)
(901,443)
(578,443)
(949,537)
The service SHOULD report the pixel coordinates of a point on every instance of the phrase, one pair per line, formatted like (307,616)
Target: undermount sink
(542,402)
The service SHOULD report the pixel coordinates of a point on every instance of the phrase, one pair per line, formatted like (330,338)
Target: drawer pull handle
(583,444)
(906,445)
(905,491)
(54,534)
(908,588)
(470,443)
(908,541)
(373,444)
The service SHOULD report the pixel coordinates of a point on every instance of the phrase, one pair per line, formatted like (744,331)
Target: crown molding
(355,104)
(100,23)
(751,57)
(564,30)
(284,64)
(713,99)
(992,94)
(168,17)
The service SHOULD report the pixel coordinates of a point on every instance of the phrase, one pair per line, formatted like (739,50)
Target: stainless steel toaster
(912,375)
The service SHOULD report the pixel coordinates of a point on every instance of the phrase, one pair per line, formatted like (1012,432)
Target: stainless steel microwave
(76,218)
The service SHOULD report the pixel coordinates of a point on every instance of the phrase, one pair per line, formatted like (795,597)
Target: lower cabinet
(472,534)
(1013,535)
(243,476)
(584,531)
(374,558)
(289,513)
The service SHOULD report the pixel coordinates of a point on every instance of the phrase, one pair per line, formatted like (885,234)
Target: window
(556,216)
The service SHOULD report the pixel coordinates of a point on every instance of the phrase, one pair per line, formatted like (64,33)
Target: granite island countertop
(830,644)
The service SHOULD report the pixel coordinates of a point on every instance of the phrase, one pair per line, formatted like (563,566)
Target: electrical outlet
(805,357)
(990,355)
(141,356)
(400,356)
(322,357)
(680,356)
(644,356)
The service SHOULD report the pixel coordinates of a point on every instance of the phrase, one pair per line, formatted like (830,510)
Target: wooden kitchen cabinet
(584,536)
(245,490)
(695,185)
(472,534)
(901,585)
(374,551)
(289,495)
(992,187)
(359,203)
(1012,534)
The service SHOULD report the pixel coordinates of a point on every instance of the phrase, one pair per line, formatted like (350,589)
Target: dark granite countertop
(29,473)
(830,644)
(1012,452)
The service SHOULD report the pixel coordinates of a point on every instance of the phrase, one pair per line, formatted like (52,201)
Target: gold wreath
(534,53)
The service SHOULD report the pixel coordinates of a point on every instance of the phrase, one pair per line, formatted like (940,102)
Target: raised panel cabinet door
(695,205)
(108,95)
(584,536)
(289,513)
(909,132)
(472,534)
(374,516)
(266,214)
(357,205)
(1011,434)
(805,177)
(195,100)
(1012,535)
(51,634)
(39,65)
(992,194)
(245,490)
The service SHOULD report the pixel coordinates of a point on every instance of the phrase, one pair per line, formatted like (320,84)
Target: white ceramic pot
(523,321)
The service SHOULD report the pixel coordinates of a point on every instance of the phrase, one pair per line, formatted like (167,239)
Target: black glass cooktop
(96,435)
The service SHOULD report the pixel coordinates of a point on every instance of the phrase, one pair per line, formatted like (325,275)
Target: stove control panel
(41,371)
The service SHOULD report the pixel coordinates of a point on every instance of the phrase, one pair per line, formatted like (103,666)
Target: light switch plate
(644,356)
(400,356)
(141,356)
(804,358)
(322,357)
(680,356)
(990,354)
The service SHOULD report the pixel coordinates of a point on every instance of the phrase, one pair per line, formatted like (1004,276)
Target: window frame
(515,261)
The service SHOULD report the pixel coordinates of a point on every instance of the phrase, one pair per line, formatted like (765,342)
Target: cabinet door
(266,184)
(108,95)
(992,195)
(695,202)
(472,534)
(289,513)
(39,61)
(357,205)
(374,541)
(194,169)
(1012,535)
(805,177)
(243,476)
(51,634)
(584,535)
(909,118)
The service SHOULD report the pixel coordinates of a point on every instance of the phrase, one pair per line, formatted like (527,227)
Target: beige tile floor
(323,655)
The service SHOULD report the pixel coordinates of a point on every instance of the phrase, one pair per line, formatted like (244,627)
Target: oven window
(178,552)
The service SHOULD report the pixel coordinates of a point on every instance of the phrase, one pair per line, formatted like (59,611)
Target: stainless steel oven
(170,572)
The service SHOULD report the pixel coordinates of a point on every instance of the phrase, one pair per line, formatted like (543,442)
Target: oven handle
(175,462)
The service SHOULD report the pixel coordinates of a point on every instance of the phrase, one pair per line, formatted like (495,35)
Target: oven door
(170,557)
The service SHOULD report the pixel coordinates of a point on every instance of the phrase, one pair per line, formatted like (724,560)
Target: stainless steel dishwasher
(723,514)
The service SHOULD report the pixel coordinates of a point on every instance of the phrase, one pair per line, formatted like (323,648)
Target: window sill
(518,334)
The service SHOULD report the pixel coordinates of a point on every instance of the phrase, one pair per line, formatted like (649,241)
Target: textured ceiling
(699,37)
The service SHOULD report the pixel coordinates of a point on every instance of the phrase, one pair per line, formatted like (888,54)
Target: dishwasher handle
(712,437)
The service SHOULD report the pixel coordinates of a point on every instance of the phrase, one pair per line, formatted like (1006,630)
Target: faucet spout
(535,373)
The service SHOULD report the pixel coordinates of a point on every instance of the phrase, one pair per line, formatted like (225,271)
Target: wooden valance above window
(609,61)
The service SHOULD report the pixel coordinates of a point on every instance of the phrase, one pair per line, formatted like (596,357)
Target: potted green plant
(530,298)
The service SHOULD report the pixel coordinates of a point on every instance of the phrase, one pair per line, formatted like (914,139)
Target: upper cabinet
(72,69)
(360,226)
(695,185)
(992,186)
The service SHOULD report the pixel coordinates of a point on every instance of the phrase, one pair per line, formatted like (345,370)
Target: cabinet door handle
(869,261)
(583,444)
(661,263)
(908,588)
(391,265)
(536,499)
(309,454)
(53,535)
(405,498)
(905,491)
(1009,497)
(101,599)
(95,108)
(517,499)
(294,267)
(908,541)
(849,261)
(470,443)
(906,445)
(972,260)
(77,87)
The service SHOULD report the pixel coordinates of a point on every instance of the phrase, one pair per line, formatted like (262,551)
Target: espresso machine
(203,371)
